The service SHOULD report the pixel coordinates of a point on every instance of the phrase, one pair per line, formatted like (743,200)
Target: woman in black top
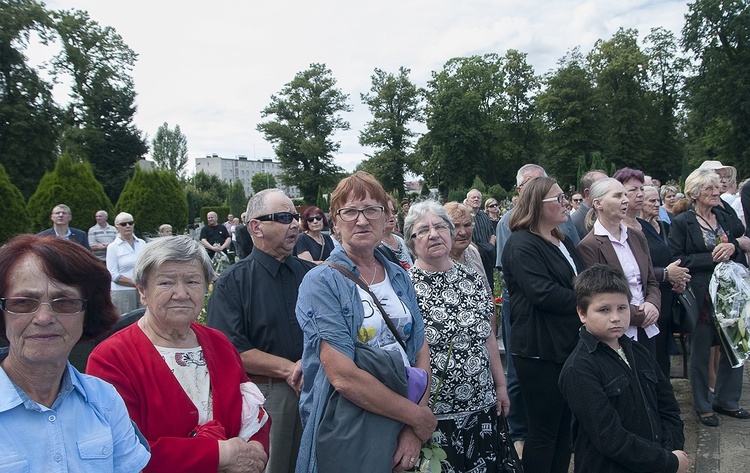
(312,244)
(669,274)
(702,237)
(539,265)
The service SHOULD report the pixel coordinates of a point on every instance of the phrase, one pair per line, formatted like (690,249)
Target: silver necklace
(374,273)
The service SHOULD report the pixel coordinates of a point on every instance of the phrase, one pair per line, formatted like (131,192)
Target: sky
(211,67)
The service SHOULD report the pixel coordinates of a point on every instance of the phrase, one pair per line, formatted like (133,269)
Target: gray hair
(600,188)
(697,179)
(62,206)
(256,206)
(526,168)
(651,189)
(102,211)
(417,211)
(596,192)
(123,217)
(667,189)
(180,249)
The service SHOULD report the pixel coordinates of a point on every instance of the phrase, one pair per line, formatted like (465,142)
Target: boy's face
(607,317)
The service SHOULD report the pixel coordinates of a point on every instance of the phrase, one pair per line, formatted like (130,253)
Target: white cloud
(212,67)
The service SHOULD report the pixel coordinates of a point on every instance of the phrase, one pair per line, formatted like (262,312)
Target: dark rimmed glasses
(350,214)
(312,219)
(126,224)
(281,217)
(29,305)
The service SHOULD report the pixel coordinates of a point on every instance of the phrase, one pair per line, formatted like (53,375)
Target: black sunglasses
(126,224)
(312,219)
(281,217)
(492,205)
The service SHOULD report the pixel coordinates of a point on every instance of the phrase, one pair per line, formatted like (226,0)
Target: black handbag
(507,457)
(686,312)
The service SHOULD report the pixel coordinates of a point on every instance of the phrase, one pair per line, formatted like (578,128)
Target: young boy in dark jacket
(626,418)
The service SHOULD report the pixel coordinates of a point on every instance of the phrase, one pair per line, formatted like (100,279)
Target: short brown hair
(599,279)
(71,264)
(358,185)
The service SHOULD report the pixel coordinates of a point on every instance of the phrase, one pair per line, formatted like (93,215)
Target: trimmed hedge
(13,212)
(154,198)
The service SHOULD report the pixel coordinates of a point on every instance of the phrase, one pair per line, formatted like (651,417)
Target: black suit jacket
(686,242)
(244,242)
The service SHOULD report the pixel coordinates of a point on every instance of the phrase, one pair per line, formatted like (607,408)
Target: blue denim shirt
(329,308)
(86,430)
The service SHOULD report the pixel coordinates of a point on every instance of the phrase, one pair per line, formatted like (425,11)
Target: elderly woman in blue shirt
(53,418)
(335,314)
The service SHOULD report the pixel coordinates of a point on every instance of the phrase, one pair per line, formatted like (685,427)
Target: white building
(240,168)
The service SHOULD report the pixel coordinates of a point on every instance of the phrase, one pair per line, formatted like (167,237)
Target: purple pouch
(417,383)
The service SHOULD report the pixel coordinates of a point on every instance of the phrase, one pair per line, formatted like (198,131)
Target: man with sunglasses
(214,237)
(253,304)
(61,216)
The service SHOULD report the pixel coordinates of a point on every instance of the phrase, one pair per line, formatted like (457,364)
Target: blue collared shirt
(86,430)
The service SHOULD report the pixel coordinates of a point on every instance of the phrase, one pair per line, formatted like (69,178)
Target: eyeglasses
(312,219)
(560,199)
(126,224)
(281,217)
(29,305)
(424,231)
(350,214)
(709,188)
(577,200)
(492,205)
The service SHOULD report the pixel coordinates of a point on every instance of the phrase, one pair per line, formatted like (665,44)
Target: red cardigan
(158,404)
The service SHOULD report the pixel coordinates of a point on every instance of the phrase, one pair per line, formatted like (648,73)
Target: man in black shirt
(253,303)
(214,234)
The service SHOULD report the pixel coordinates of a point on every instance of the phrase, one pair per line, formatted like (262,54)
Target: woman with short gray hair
(183,383)
(468,384)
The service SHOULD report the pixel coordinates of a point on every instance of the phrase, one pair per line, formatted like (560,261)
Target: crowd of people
(346,340)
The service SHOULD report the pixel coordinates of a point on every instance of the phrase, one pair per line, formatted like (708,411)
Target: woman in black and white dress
(458,318)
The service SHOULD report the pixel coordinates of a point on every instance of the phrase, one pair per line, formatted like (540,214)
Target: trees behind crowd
(630,100)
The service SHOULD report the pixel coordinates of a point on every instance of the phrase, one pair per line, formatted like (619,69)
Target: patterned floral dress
(455,307)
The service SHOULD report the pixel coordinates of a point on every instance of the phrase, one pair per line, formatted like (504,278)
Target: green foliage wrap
(72,184)
(153,198)
(13,211)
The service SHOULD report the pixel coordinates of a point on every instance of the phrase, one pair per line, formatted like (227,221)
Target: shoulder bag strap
(361,284)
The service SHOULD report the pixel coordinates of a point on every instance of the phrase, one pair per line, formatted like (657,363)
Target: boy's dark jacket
(626,419)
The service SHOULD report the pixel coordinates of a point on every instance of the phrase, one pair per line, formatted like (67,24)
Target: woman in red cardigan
(183,383)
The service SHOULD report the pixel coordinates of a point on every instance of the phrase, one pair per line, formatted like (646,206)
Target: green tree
(620,71)
(154,198)
(262,180)
(73,184)
(521,127)
(29,117)
(216,189)
(13,211)
(236,199)
(571,117)
(394,102)
(99,120)
(465,104)
(169,150)
(717,35)
(306,115)
(667,78)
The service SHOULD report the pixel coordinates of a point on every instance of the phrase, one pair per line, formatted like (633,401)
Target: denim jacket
(329,308)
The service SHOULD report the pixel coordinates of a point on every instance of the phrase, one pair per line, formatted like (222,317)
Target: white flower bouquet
(730,294)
